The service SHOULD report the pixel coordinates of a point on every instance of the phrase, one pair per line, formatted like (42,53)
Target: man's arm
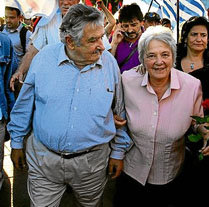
(24,66)
(121,142)
(109,16)
(21,118)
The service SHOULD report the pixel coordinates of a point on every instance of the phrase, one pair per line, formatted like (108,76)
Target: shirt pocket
(100,101)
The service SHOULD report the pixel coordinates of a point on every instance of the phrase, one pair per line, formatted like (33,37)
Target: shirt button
(155,113)
(153,126)
(72,126)
(77,90)
(75,108)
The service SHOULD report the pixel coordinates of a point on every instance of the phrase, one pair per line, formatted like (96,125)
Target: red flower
(205,104)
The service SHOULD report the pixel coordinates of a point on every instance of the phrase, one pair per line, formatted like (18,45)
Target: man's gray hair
(77,17)
(160,33)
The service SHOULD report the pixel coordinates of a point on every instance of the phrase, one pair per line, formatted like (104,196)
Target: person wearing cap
(126,36)
(14,29)
(8,65)
(151,19)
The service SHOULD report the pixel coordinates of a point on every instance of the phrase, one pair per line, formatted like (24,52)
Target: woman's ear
(70,43)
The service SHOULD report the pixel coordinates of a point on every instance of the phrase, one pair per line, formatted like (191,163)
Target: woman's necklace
(192,66)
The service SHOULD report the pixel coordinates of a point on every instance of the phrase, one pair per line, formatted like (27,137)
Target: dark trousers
(130,193)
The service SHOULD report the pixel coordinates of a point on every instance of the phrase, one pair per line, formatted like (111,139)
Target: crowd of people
(97,97)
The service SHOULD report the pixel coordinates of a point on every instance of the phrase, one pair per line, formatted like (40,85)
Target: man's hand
(18,159)
(115,167)
(119,122)
(17,76)
(117,35)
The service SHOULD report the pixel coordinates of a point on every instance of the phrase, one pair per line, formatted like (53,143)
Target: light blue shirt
(70,109)
(14,35)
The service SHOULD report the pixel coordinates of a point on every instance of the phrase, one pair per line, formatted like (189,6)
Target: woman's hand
(205,134)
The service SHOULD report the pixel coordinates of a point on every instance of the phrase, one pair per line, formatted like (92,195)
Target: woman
(193,58)
(193,51)
(159,102)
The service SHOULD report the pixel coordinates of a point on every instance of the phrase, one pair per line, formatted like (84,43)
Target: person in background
(15,30)
(193,58)
(110,20)
(73,127)
(27,22)
(151,19)
(8,65)
(159,103)
(166,23)
(1,24)
(46,33)
(126,36)
(109,23)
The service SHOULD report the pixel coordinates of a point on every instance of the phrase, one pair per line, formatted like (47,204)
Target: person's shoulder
(52,48)
(187,78)
(135,72)
(4,38)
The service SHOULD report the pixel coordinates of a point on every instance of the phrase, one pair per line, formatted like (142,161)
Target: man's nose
(101,45)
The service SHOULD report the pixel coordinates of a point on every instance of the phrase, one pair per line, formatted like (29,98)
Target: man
(151,19)
(125,38)
(15,30)
(8,64)
(63,97)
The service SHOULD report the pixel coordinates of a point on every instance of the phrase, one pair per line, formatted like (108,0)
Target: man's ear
(70,43)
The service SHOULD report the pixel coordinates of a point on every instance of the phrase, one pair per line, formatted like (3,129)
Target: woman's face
(158,60)
(197,38)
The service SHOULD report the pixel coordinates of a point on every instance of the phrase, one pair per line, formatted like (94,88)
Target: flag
(187,9)
(31,8)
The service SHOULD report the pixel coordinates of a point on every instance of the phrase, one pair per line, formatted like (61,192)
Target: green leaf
(199,120)
(207,127)
(201,156)
(194,137)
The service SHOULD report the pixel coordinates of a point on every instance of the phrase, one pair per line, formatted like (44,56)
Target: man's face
(91,46)
(132,29)
(64,5)
(12,19)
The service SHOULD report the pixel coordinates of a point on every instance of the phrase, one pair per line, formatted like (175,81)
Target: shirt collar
(174,80)
(15,30)
(62,58)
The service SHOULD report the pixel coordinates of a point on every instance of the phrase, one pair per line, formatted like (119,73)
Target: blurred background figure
(18,34)
(166,23)
(151,19)
(1,24)
(8,65)
(27,23)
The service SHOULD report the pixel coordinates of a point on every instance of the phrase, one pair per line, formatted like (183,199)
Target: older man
(69,96)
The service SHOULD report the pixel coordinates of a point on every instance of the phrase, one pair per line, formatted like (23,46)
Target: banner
(31,8)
